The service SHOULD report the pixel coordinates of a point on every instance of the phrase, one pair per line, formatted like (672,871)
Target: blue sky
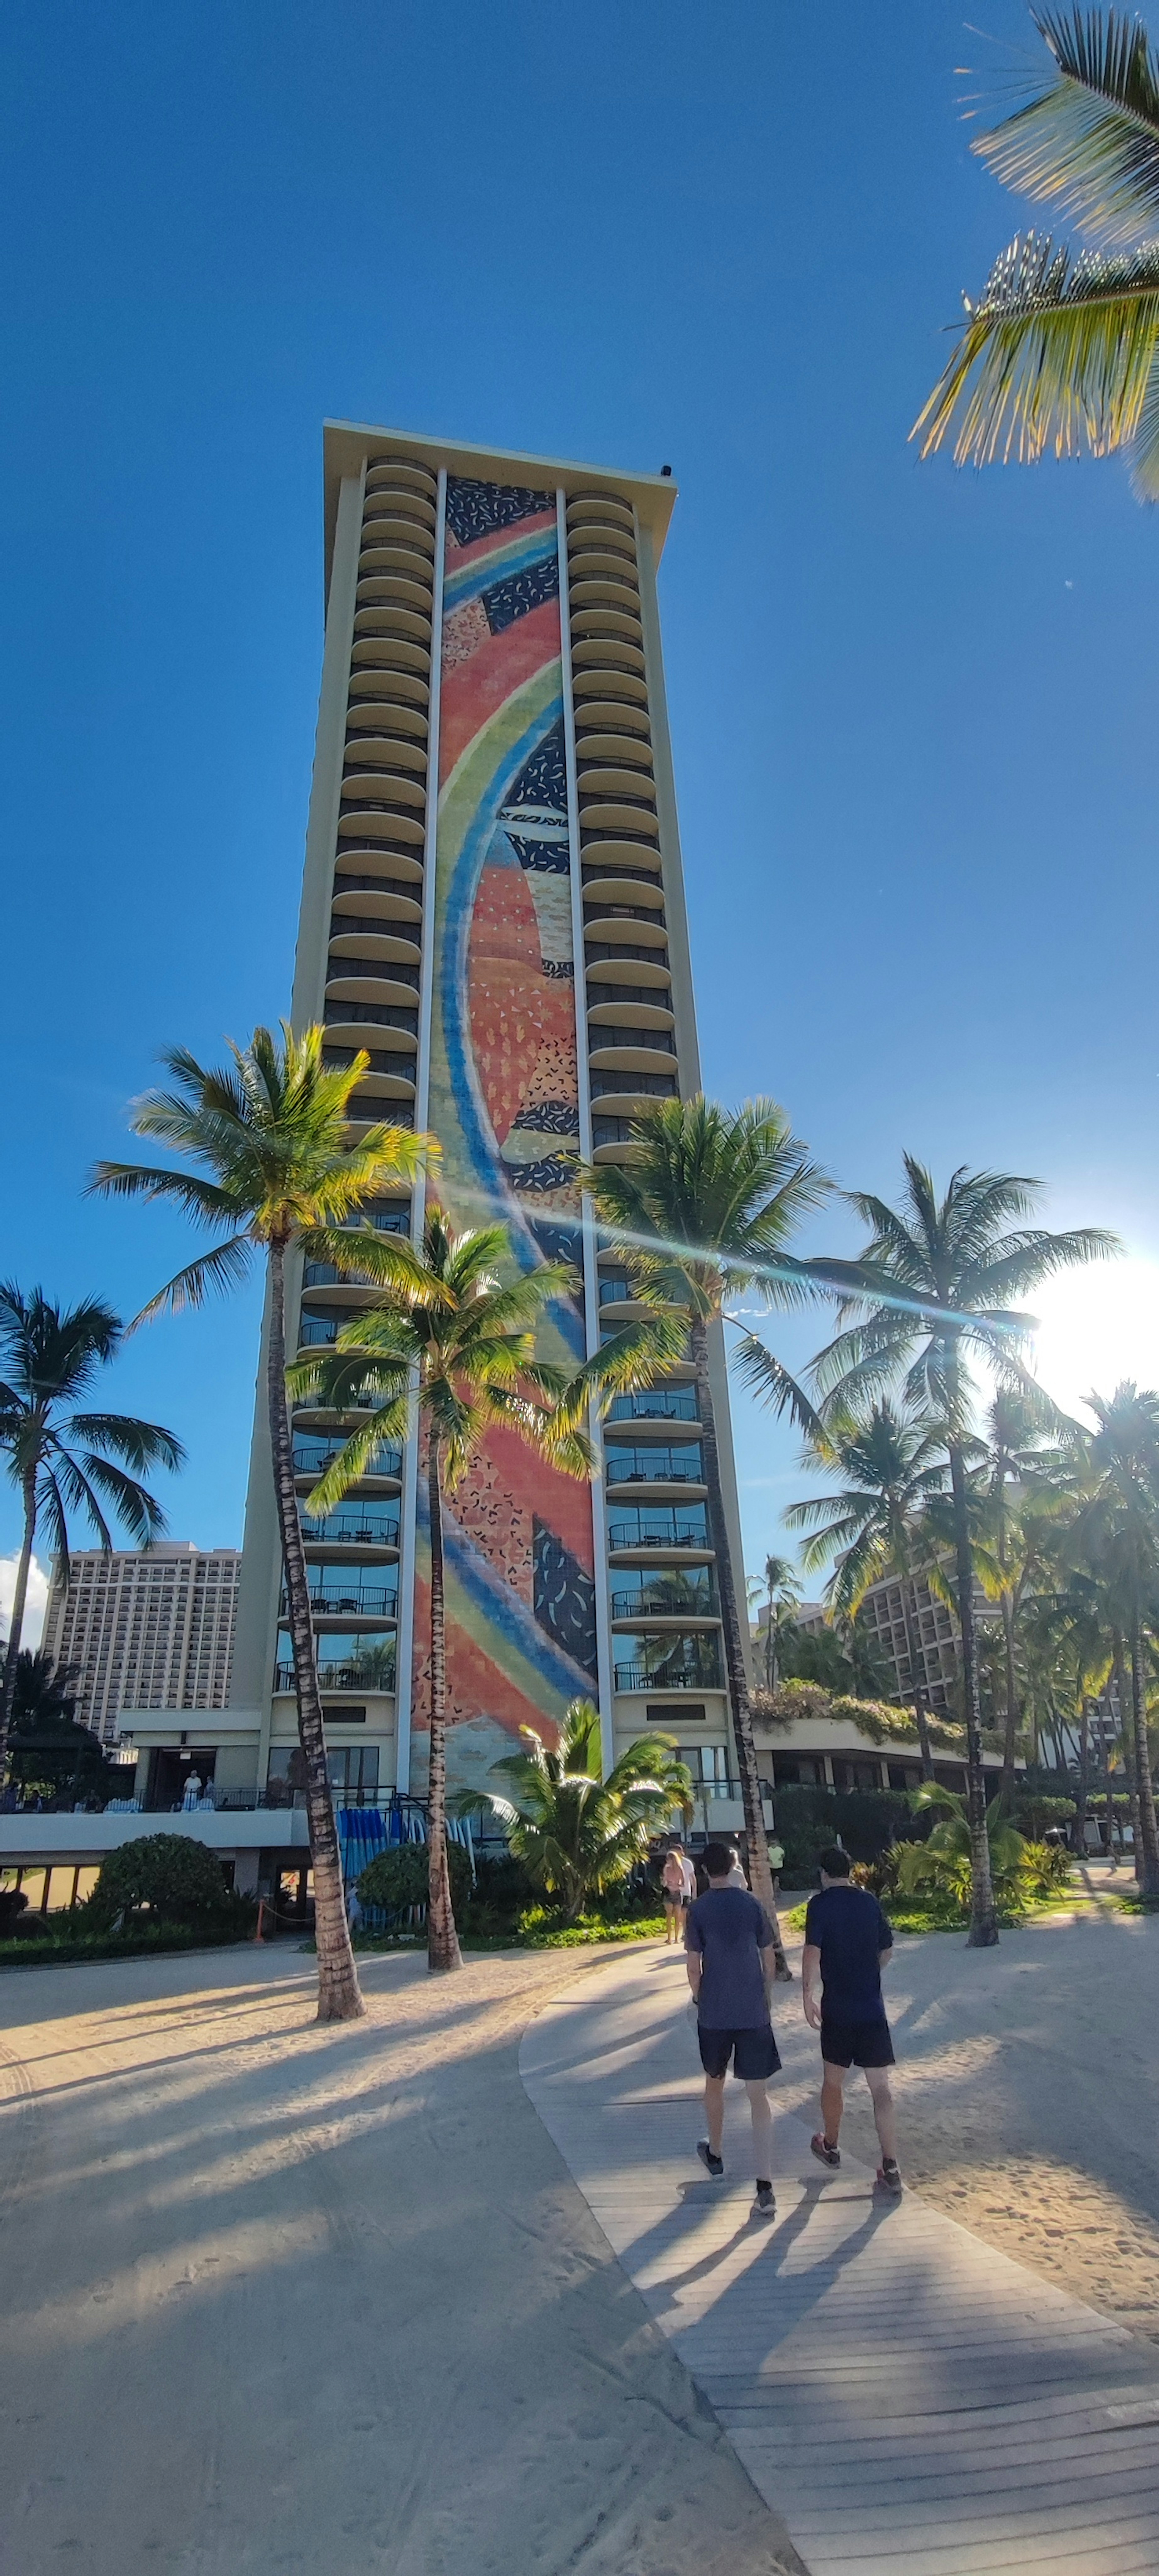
(913,711)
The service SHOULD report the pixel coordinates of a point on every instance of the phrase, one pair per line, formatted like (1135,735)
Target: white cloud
(35,1603)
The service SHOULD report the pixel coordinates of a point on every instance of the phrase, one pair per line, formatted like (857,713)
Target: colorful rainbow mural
(504,1101)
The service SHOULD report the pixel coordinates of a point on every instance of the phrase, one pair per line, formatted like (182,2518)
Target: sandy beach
(275,2291)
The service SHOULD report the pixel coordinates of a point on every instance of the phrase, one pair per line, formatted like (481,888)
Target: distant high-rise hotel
(493,909)
(152,1630)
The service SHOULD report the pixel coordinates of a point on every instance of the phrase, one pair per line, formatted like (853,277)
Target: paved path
(910,2400)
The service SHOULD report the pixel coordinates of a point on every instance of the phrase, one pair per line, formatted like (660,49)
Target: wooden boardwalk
(910,2401)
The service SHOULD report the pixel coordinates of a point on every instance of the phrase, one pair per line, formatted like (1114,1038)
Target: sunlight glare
(1097,1326)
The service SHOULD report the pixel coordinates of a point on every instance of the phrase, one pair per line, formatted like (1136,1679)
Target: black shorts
(857,2043)
(753,2053)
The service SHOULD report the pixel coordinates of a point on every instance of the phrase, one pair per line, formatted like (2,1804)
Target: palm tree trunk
(1011,1718)
(1125,1730)
(339,1997)
(16,1619)
(909,1612)
(442,1938)
(760,1872)
(983,1931)
(1081,1801)
(1148,1873)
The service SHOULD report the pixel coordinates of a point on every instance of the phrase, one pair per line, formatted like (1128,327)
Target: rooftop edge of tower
(345,443)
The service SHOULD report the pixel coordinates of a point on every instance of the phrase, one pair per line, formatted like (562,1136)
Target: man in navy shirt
(847,1944)
(728,1940)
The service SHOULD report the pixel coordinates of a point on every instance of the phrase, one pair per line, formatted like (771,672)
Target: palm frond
(205,1201)
(1053,355)
(219,1270)
(1088,144)
(767,1378)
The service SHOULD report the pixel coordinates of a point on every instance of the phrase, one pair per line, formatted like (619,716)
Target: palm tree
(703,1206)
(1063,351)
(62,1458)
(782,1594)
(1012,1462)
(463,1344)
(575,1833)
(1117,1531)
(279,1171)
(1074,1622)
(893,1463)
(935,1286)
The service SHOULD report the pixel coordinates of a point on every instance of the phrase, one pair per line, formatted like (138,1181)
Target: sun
(1097,1326)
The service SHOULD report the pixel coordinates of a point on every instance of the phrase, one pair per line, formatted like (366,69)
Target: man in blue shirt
(728,1941)
(847,1944)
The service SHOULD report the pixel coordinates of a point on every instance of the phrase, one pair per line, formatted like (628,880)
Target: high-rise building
(493,909)
(144,1630)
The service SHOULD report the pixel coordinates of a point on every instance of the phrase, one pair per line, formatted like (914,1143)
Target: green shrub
(868,1821)
(398,1878)
(173,1876)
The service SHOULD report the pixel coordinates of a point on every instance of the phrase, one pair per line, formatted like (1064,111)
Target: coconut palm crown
(1062,350)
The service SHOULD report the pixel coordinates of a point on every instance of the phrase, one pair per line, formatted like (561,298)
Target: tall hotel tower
(493,908)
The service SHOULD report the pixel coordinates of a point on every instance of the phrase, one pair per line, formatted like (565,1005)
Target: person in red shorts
(848,1942)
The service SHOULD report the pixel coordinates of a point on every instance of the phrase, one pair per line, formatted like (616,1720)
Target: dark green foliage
(175,1877)
(1034,1815)
(399,1878)
(49,1750)
(867,1820)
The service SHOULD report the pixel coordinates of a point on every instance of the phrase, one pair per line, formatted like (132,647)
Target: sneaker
(889,2177)
(765,2202)
(825,2154)
(713,2165)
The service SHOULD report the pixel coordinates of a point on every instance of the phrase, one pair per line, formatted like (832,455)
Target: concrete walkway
(910,2400)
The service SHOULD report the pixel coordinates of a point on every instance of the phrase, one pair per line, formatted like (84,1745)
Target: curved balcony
(651,1001)
(380,750)
(596,653)
(616,751)
(354,1525)
(336,1060)
(391,689)
(390,1106)
(585,509)
(632,955)
(395,591)
(627,1088)
(611,626)
(601,575)
(609,906)
(390,625)
(621,863)
(390,653)
(392,543)
(401,900)
(360,1014)
(624,709)
(633,788)
(383,822)
(611,1042)
(384,938)
(599,817)
(393,498)
(388,784)
(393,698)
(604,590)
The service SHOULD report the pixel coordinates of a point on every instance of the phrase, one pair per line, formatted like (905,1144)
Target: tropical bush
(171,1877)
(867,1821)
(400,1878)
(576,1834)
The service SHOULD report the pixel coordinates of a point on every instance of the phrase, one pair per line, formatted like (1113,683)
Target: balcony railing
(312,1458)
(411,893)
(375,925)
(356,1601)
(651,1601)
(601,952)
(655,1404)
(634,1677)
(341,1677)
(352,1529)
(655,1467)
(376,1015)
(656,1041)
(650,997)
(614,1292)
(644,1086)
(660,1528)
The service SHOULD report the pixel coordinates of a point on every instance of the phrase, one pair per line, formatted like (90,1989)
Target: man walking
(847,1944)
(731,1960)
